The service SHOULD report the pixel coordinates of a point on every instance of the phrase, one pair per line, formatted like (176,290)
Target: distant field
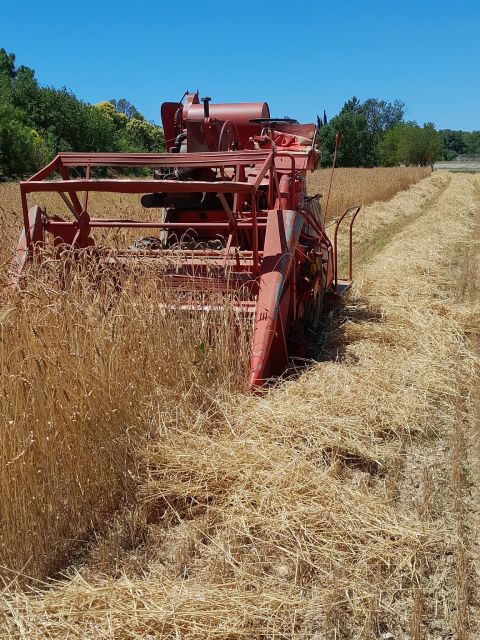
(362,186)
(468,165)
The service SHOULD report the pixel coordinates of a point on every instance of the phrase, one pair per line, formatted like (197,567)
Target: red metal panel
(239,113)
(283,232)
(168,113)
(32,235)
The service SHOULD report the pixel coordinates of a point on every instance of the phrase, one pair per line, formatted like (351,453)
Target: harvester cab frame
(234,183)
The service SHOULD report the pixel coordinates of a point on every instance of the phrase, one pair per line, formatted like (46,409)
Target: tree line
(375,133)
(37,122)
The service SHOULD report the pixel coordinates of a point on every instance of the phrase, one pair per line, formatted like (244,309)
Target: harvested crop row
(277,516)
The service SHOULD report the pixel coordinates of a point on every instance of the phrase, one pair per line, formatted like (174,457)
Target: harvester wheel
(314,309)
(313,313)
(152,243)
(148,243)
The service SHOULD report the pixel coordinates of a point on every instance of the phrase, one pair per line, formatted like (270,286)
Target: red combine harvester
(230,200)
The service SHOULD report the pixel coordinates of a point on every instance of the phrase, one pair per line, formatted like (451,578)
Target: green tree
(381,115)
(127,108)
(353,151)
(363,125)
(119,119)
(145,135)
(133,134)
(7,63)
(21,147)
(472,142)
(389,146)
(453,143)
(37,122)
(411,144)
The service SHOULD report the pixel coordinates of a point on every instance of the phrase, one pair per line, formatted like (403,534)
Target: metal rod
(130,224)
(228,211)
(277,186)
(46,171)
(335,241)
(263,171)
(205,158)
(69,204)
(26,221)
(73,194)
(291,195)
(255,225)
(190,254)
(350,271)
(338,139)
(136,186)
(227,249)
(85,197)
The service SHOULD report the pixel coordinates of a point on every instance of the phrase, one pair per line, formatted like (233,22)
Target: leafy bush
(21,147)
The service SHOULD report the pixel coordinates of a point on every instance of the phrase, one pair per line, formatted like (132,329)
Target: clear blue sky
(300,56)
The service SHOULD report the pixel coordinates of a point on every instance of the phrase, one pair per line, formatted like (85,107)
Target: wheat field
(144,495)
(362,186)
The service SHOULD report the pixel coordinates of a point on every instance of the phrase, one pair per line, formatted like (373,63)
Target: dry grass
(253,517)
(100,204)
(78,365)
(362,186)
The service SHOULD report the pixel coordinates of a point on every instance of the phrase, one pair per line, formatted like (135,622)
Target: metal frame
(238,162)
(338,222)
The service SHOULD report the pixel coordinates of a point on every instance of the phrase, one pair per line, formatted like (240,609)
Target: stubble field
(341,504)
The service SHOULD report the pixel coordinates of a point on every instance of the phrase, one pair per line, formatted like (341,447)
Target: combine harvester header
(228,198)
